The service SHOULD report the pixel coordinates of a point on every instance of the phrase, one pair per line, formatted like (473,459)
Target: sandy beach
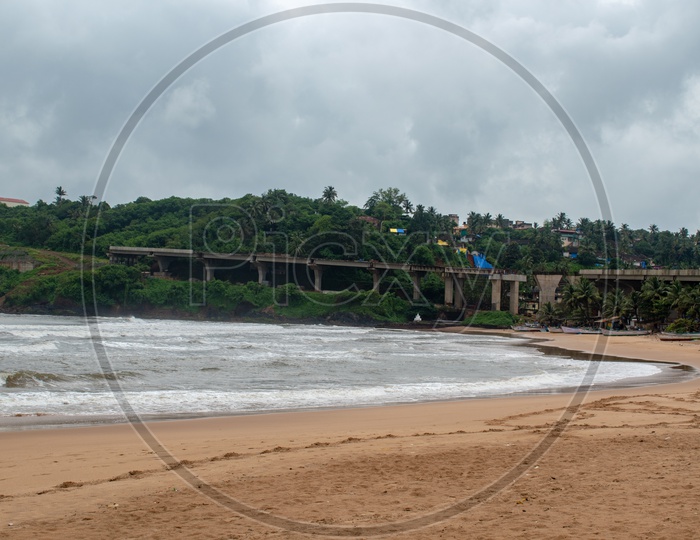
(623,464)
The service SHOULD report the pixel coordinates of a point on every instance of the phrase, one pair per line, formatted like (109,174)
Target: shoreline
(549,344)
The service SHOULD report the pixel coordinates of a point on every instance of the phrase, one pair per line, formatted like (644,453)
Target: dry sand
(627,465)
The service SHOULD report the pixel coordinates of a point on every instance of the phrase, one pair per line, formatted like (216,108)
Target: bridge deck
(116,251)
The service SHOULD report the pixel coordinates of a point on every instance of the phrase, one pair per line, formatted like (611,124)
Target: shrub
(491,319)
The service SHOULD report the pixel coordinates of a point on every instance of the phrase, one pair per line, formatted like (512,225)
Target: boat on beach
(527,328)
(579,330)
(673,336)
(628,332)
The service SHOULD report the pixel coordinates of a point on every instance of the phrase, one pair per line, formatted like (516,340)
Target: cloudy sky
(360,101)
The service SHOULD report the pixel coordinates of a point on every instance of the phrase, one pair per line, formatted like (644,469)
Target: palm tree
(330,195)
(407,206)
(561,221)
(372,201)
(654,303)
(474,222)
(615,304)
(60,194)
(86,200)
(549,315)
(588,298)
(625,234)
(674,296)
(296,243)
(568,295)
(689,302)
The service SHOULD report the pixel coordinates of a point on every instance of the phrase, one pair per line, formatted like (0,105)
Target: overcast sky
(359,102)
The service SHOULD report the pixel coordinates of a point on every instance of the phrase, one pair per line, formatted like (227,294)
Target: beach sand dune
(626,466)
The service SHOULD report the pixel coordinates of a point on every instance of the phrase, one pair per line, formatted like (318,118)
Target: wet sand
(623,464)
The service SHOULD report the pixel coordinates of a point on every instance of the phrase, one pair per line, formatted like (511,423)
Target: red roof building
(13,202)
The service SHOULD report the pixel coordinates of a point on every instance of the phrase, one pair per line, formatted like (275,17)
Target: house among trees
(371,220)
(13,202)
(570,241)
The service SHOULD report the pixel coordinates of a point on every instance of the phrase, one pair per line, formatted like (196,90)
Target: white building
(13,202)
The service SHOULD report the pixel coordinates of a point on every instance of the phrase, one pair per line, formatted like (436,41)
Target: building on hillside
(376,223)
(521,225)
(17,259)
(570,241)
(569,237)
(462,234)
(13,202)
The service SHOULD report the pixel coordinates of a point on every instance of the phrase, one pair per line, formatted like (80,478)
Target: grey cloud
(359,102)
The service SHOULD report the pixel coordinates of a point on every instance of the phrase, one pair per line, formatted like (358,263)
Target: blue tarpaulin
(480,262)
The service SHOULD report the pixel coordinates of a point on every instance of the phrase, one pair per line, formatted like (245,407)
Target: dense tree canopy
(278,221)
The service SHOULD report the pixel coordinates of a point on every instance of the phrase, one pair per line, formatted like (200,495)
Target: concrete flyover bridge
(633,279)
(273,268)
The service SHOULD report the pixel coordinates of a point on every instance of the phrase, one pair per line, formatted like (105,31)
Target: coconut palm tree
(615,304)
(330,195)
(60,194)
(654,301)
(674,291)
(474,221)
(549,315)
(588,299)
(689,302)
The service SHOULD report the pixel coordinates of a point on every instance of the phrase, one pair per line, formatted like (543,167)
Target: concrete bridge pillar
(208,271)
(496,292)
(459,293)
(415,277)
(376,277)
(514,297)
(548,285)
(449,289)
(318,276)
(163,262)
(262,271)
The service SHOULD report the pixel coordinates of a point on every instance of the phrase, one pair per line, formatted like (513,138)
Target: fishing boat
(579,330)
(527,328)
(570,330)
(628,332)
(673,336)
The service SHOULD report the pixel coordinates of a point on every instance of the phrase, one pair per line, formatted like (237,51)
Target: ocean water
(50,366)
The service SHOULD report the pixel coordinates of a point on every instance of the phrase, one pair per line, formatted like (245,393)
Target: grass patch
(491,319)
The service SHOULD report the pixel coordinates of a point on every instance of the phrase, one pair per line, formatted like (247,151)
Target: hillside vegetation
(389,228)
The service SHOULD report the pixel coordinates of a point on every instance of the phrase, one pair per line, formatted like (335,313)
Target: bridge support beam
(376,278)
(163,262)
(496,293)
(459,292)
(415,278)
(497,287)
(318,276)
(449,289)
(208,271)
(514,297)
(262,271)
(548,285)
